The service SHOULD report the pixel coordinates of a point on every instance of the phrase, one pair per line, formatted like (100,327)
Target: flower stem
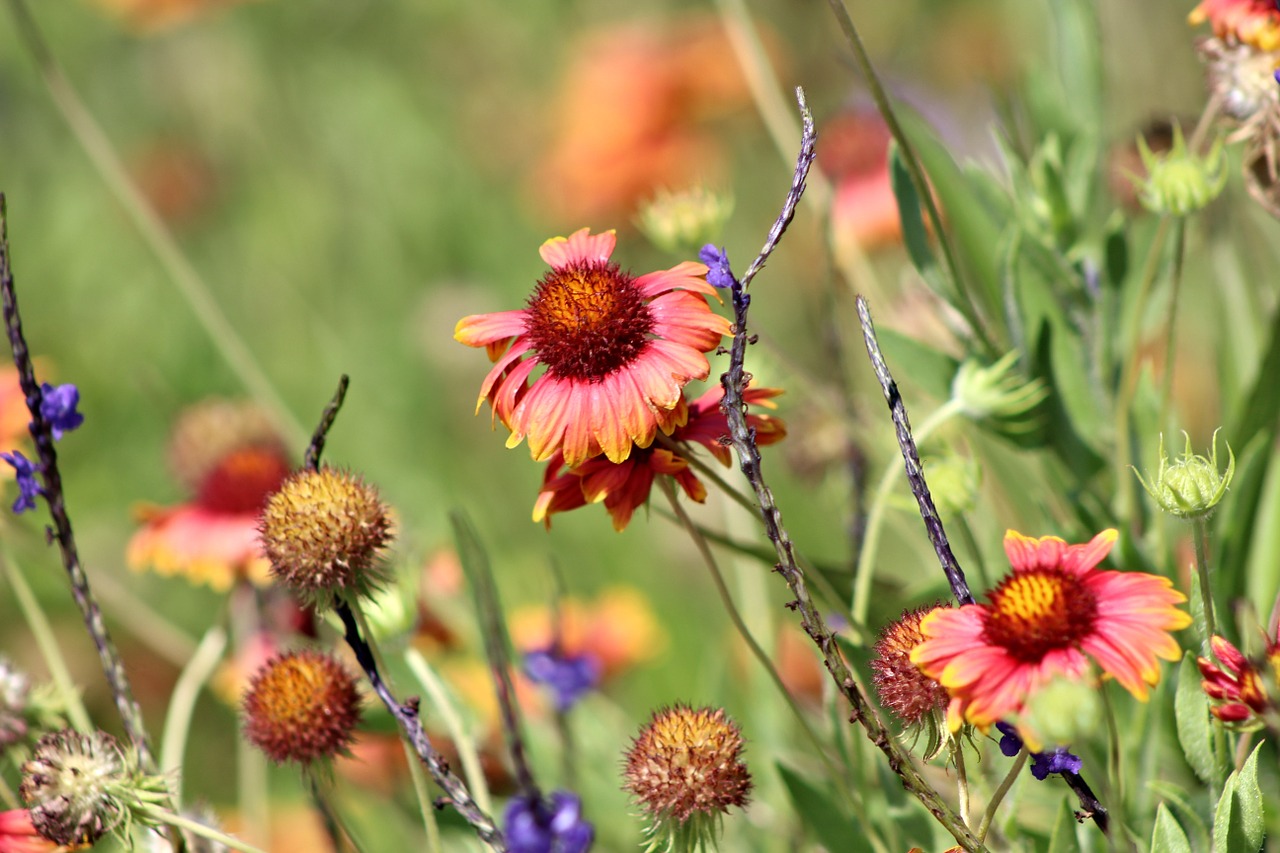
(42,633)
(182,703)
(989,814)
(162,815)
(962,780)
(1200,533)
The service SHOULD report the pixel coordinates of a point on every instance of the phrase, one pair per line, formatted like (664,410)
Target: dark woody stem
(735,382)
(406,714)
(1089,803)
(61,532)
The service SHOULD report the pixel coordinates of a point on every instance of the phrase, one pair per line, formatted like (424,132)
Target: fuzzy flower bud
(1179,181)
(685,770)
(995,391)
(302,706)
(323,531)
(678,222)
(1190,487)
(81,786)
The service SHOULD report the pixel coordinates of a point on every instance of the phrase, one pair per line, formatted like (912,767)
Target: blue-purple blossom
(717,261)
(568,676)
(1042,763)
(534,825)
(58,407)
(25,473)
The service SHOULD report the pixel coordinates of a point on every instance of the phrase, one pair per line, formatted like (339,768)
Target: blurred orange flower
(14,416)
(148,16)
(232,459)
(853,151)
(619,629)
(628,116)
(1253,22)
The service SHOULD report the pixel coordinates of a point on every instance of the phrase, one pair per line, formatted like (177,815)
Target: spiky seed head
(73,784)
(302,707)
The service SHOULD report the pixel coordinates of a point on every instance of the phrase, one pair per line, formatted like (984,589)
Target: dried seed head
(904,690)
(685,770)
(302,706)
(73,784)
(323,531)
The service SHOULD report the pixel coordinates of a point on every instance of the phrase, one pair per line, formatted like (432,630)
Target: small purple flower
(532,825)
(58,406)
(25,472)
(568,676)
(1042,763)
(717,261)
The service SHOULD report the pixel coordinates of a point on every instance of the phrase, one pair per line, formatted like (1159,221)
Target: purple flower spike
(717,261)
(1042,763)
(25,471)
(533,825)
(58,406)
(569,677)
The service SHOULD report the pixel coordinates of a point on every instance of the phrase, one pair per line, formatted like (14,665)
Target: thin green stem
(708,559)
(163,815)
(1170,351)
(865,572)
(322,796)
(1200,533)
(964,303)
(182,703)
(997,797)
(42,633)
(962,780)
(93,140)
(442,703)
(1115,756)
(683,451)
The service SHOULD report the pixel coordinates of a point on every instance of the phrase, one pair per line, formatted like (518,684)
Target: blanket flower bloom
(625,486)
(1253,22)
(617,350)
(1046,619)
(1237,685)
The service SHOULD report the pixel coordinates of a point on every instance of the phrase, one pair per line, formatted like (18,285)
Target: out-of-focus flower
(302,707)
(1057,760)
(28,488)
(996,390)
(1237,684)
(18,834)
(682,222)
(1191,486)
(1054,613)
(569,677)
(81,786)
(15,689)
(231,459)
(1124,161)
(235,674)
(1179,181)
(152,16)
(1252,22)
(624,487)
(176,178)
(853,151)
(629,116)
(617,350)
(618,629)
(58,407)
(685,771)
(14,415)
(536,825)
(324,532)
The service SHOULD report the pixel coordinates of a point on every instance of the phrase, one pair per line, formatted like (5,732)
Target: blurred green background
(351,178)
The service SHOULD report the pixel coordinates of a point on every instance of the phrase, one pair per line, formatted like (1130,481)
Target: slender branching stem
(182,703)
(1200,535)
(989,814)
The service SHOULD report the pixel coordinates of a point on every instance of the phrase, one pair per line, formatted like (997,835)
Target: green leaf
(925,367)
(1177,800)
(821,814)
(1064,838)
(1195,731)
(914,234)
(1237,821)
(1168,837)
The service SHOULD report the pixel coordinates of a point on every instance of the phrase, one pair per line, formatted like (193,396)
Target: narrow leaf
(1191,711)
(1168,836)
(821,814)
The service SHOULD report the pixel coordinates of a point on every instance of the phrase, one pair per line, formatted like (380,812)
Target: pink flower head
(616,350)
(1048,618)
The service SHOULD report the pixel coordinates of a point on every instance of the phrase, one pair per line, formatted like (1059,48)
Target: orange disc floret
(302,706)
(686,763)
(323,532)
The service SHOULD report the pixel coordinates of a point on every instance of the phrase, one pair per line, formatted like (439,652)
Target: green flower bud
(1190,486)
(995,391)
(684,221)
(1062,712)
(1179,181)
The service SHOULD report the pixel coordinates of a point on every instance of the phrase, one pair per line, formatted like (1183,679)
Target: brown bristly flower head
(301,706)
(904,690)
(685,770)
(323,532)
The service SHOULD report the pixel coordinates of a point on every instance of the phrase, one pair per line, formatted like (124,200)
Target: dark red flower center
(1035,612)
(242,480)
(588,320)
